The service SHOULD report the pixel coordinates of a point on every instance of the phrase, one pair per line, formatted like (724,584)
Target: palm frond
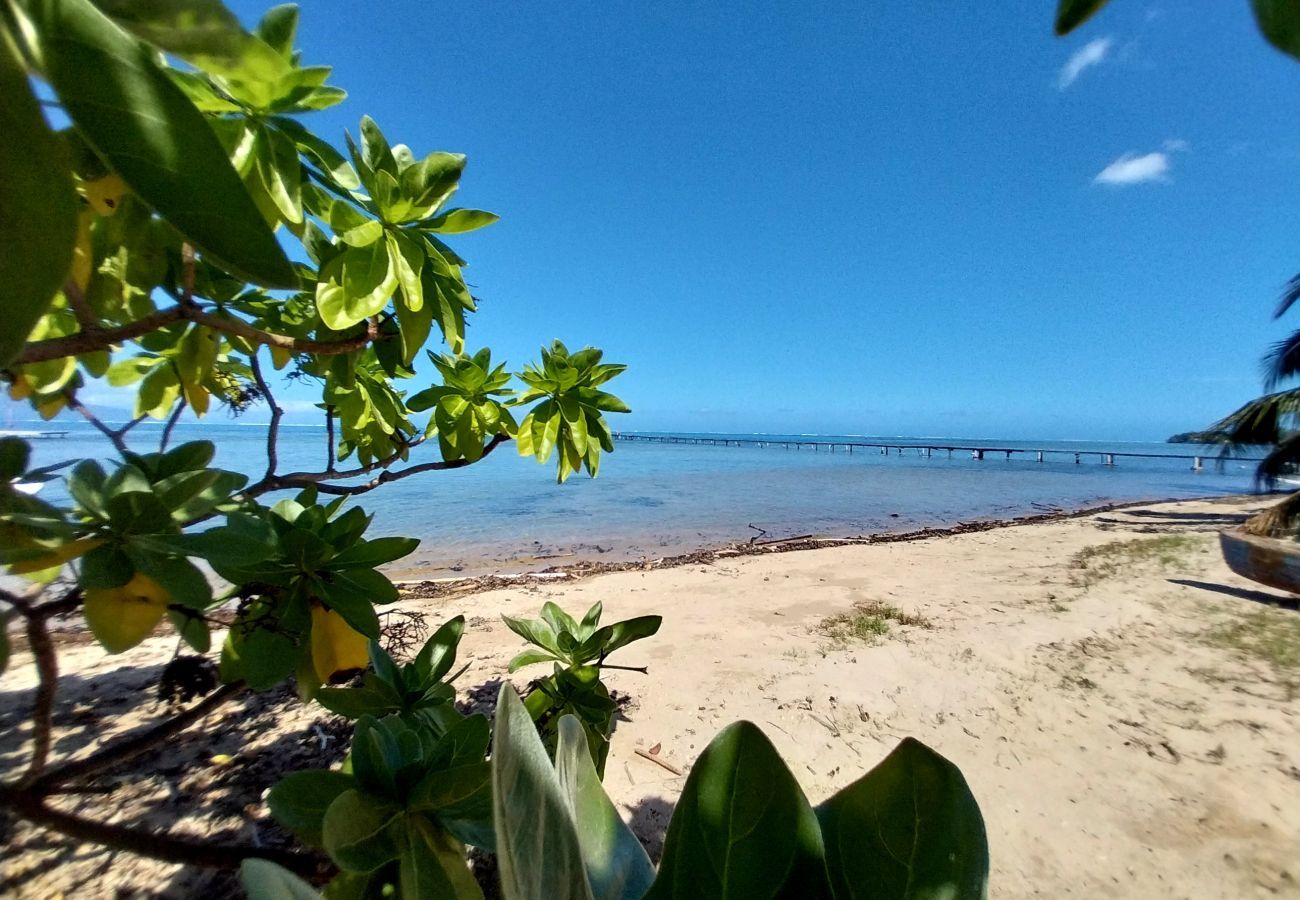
(1282,361)
(1264,421)
(1284,459)
(1290,294)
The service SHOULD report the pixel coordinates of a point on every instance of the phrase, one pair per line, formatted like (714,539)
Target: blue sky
(884,218)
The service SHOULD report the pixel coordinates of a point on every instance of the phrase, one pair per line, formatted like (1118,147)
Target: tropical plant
(906,830)
(1272,420)
(400,812)
(180,233)
(578,651)
(419,691)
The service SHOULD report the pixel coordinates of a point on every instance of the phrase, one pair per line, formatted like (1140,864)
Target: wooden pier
(1105,457)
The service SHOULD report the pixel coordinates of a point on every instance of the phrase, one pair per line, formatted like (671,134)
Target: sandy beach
(1125,709)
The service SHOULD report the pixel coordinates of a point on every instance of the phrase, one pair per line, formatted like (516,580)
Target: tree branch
(137,742)
(302,479)
(329,439)
(171,423)
(47,667)
(273,430)
(47,670)
(210,854)
(90,339)
(114,435)
(80,307)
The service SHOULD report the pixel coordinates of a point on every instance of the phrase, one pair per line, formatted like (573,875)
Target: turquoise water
(506,514)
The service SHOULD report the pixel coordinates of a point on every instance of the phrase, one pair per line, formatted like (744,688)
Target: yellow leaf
(104,194)
(21,389)
(335,645)
(56,557)
(280,356)
(222,759)
(122,617)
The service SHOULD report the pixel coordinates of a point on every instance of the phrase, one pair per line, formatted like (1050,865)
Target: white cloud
(1087,56)
(1132,169)
(1176,145)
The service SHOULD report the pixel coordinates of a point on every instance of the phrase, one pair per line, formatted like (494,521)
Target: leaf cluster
(577,649)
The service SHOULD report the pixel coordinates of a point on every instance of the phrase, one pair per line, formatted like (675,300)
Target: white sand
(1118,745)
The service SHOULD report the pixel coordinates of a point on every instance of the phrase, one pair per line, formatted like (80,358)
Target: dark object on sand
(1268,560)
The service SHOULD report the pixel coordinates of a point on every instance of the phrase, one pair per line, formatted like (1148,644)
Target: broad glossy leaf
(458,221)
(623,633)
(617,865)
(1070,14)
(1279,21)
(136,117)
(38,208)
(357,831)
(368,554)
(742,829)
(299,801)
(264,880)
(534,631)
(354,285)
(438,654)
(432,864)
(537,841)
(907,830)
(529,657)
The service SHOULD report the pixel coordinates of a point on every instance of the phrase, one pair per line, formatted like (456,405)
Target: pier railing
(1106,457)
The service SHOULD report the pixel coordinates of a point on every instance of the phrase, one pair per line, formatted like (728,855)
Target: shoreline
(1121,704)
(433,588)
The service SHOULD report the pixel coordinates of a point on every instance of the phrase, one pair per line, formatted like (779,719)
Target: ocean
(507,514)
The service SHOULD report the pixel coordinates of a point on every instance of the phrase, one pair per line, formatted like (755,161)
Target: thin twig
(215,854)
(302,479)
(659,762)
(171,423)
(137,742)
(644,670)
(112,434)
(273,429)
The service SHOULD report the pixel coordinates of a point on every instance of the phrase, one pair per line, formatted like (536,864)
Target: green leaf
(558,619)
(368,554)
(1070,14)
(407,258)
(355,285)
(264,880)
(910,828)
(458,221)
(432,864)
(617,865)
(353,703)
(742,827)
(138,120)
(620,634)
(191,29)
(1279,22)
(38,208)
(538,850)
(192,629)
(461,797)
(529,657)
(533,631)
(357,831)
(278,28)
(300,800)
(438,654)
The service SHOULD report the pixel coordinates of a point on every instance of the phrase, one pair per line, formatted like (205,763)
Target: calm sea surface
(506,514)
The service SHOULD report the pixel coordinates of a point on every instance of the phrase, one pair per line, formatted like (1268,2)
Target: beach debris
(644,754)
(654,751)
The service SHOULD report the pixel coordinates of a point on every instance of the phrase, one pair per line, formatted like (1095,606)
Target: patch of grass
(1094,564)
(868,622)
(1267,636)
